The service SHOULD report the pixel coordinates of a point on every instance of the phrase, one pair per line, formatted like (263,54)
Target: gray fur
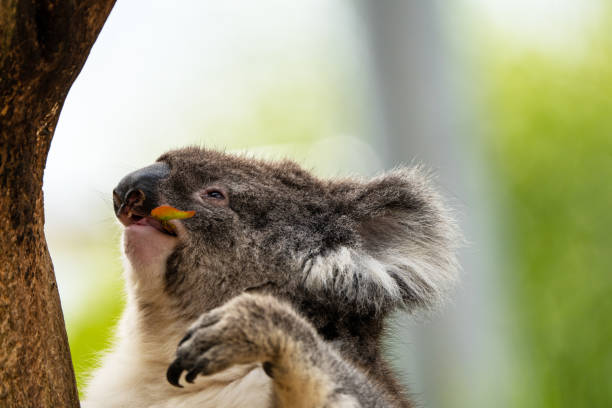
(283,226)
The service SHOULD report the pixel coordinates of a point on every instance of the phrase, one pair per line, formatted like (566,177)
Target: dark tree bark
(43,46)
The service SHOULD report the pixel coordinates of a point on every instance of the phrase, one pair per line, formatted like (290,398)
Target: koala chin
(276,293)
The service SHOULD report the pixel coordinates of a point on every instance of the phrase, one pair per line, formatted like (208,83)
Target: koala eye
(215,194)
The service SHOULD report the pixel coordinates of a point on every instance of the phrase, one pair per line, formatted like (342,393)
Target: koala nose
(137,193)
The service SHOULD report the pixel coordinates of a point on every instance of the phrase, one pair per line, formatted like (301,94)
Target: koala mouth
(132,218)
(161,227)
(132,211)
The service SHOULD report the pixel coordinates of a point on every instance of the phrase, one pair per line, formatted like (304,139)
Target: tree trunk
(43,46)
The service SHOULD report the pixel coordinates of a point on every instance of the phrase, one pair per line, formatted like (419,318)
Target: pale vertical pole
(457,358)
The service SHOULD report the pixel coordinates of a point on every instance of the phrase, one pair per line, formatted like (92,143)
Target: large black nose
(137,193)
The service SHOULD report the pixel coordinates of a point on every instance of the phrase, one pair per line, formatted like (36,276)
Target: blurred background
(509,102)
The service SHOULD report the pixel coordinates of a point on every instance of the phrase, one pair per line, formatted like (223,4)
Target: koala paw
(239,332)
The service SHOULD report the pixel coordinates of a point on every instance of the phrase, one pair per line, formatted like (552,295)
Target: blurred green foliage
(549,141)
(90,329)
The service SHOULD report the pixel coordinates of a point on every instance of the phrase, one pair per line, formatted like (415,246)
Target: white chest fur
(235,388)
(133,375)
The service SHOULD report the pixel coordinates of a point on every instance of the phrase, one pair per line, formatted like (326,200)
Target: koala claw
(192,374)
(173,374)
(187,337)
(180,364)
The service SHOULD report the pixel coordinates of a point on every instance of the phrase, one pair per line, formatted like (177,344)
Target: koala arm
(306,371)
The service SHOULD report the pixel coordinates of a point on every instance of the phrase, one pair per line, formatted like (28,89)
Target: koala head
(345,246)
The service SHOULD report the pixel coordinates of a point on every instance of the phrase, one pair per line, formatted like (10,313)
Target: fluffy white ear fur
(406,257)
(342,267)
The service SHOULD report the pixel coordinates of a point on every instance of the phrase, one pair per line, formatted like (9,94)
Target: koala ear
(404,252)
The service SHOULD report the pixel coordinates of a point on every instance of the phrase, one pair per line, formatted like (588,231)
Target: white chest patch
(133,375)
(240,386)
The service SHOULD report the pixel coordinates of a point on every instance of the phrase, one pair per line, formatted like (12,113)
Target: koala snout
(137,193)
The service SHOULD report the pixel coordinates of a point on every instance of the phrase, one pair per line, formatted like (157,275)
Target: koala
(277,292)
